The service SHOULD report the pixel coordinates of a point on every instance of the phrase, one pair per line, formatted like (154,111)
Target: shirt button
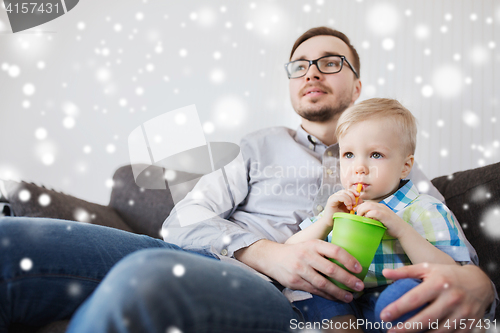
(311,147)
(223,252)
(330,153)
(319,208)
(329,171)
(313,139)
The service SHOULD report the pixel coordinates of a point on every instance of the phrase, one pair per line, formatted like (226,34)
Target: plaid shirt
(428,216)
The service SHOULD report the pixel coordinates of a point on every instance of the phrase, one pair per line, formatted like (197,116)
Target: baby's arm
(416,247)
(341,201)
(318,230)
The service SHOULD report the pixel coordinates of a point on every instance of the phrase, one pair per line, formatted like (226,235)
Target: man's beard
(325,112)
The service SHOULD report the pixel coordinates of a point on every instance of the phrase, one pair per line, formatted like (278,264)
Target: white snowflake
(173,329)
(103,74)
(226,239)
(26,264)
(24,195)
(44,199)
(69,122)
(388,44)
(178,270)
(383,19)
(423,187)
(74,289)
(110,148)
(206,17)
(471,119)
(14,71)
(81,215)
(170,175)
(491,219)
(427,91)
(41,133)
(422,31)
(208,127)
(229,112)
(217,76)
(479,55)
(48,159)
(109,183)
(29,89)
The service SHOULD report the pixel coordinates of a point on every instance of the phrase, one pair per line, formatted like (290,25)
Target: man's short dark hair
(325,31)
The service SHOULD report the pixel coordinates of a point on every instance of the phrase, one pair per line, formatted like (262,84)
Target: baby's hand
(380,212)
(342,201)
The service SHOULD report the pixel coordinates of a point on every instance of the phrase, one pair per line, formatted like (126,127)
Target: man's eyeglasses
(327,65)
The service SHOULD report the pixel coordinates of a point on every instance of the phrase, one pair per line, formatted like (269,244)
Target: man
(267,204)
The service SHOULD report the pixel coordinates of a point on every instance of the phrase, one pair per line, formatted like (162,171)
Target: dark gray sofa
(469,194)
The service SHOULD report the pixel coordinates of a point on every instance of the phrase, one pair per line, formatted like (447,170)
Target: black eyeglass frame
(315,62)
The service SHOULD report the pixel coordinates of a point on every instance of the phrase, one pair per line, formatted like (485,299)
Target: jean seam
(50,275)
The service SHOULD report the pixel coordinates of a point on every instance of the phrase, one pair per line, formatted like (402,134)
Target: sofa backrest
(474,197)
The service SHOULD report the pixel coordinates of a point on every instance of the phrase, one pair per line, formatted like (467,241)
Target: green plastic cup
(358,235)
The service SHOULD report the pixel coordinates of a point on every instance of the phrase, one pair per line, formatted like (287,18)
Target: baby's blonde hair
(381,108)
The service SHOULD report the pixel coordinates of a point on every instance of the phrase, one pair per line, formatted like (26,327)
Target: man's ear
(410,159)
(356,91)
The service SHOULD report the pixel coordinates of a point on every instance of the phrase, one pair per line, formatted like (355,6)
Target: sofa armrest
(30,200)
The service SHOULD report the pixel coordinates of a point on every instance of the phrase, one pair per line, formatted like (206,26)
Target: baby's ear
(408,164)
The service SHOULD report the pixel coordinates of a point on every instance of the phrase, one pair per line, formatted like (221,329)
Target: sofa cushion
(474,198)
(27,199)
(142,208)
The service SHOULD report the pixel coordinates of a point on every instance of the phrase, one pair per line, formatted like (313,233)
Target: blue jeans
(48,268)
(368,306)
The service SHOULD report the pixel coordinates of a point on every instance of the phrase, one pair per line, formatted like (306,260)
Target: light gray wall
(450,47)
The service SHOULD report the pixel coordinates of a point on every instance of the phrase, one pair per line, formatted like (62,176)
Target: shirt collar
(402,197)
(307,139)
(301,136)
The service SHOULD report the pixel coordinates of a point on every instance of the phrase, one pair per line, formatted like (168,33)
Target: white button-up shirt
(275,183)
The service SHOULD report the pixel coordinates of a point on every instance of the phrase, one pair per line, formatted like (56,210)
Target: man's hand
(298,266)
(453,293)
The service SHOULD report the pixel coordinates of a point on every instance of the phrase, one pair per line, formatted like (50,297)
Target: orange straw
(358,189)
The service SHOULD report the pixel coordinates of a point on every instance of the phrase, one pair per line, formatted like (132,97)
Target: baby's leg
(393,292)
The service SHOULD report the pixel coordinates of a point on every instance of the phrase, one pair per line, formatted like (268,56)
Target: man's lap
(183,290)
(57,262)
(63,262)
